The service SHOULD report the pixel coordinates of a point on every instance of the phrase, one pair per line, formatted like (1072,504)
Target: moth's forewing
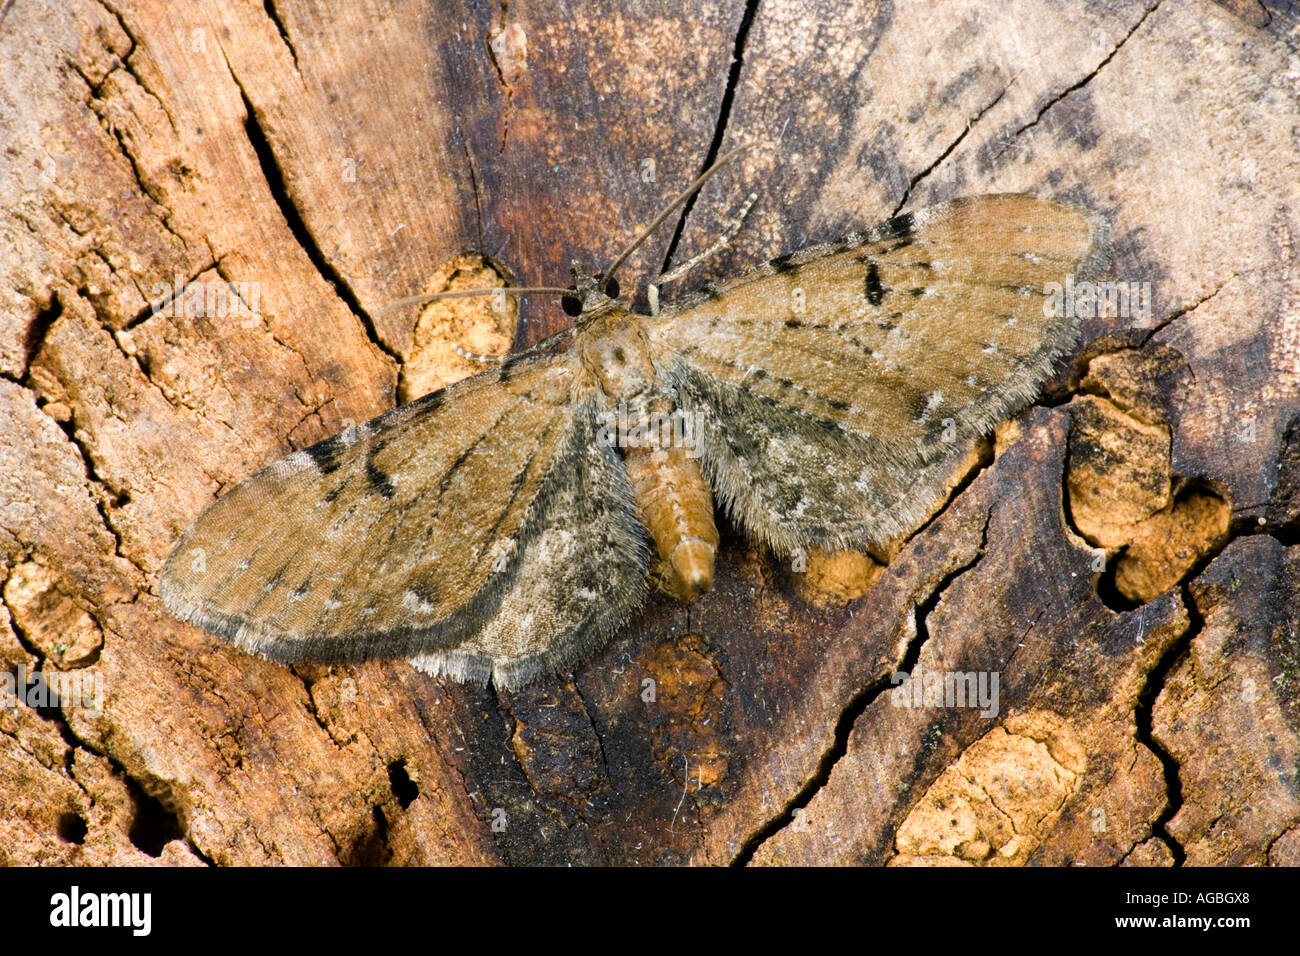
(839,383)
(395,537)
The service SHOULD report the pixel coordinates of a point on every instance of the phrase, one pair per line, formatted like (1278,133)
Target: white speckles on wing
(932,404)
(291,465)
(418,606)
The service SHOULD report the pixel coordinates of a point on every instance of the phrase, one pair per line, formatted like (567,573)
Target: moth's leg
(733,227)
(483,357)
(495,359)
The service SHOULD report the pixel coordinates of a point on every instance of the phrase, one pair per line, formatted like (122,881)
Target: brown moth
(494,530)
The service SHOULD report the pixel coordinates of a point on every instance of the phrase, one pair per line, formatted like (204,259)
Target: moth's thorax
(614,350)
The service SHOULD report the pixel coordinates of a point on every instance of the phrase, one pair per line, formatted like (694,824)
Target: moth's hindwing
(840,384)
(432,526)
(577,581)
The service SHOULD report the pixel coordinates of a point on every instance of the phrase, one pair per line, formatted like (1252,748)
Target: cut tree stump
(1123,558)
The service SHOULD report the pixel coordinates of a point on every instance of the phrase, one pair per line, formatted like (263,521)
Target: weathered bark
(1125,561)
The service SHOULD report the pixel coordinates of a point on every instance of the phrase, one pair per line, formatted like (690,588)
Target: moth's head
(589,300)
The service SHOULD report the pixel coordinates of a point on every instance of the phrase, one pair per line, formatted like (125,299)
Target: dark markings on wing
(425,589)
(464,456)
(326,454)
(875,292)
(516,487)
(784,263)
(710,292)
(379,481)
(762,375)
(509,365)
(898,227)
(269,588)
(378,478)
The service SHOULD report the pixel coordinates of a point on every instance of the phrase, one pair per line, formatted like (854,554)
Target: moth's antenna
(690,190)
(608,274)
(465,293)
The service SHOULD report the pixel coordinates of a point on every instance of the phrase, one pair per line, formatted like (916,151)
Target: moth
(494,530)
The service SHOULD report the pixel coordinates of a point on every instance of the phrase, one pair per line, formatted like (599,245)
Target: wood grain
(338,161)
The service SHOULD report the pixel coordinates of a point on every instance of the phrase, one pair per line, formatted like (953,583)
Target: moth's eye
(571,305)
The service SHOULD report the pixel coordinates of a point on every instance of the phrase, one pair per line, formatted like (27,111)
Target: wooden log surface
(1124,557)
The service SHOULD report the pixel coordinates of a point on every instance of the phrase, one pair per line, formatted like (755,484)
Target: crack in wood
(858,705)
(720,125)
(1088,78)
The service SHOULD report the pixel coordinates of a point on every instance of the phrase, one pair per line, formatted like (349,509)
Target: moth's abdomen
(674,498)
(677,509)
